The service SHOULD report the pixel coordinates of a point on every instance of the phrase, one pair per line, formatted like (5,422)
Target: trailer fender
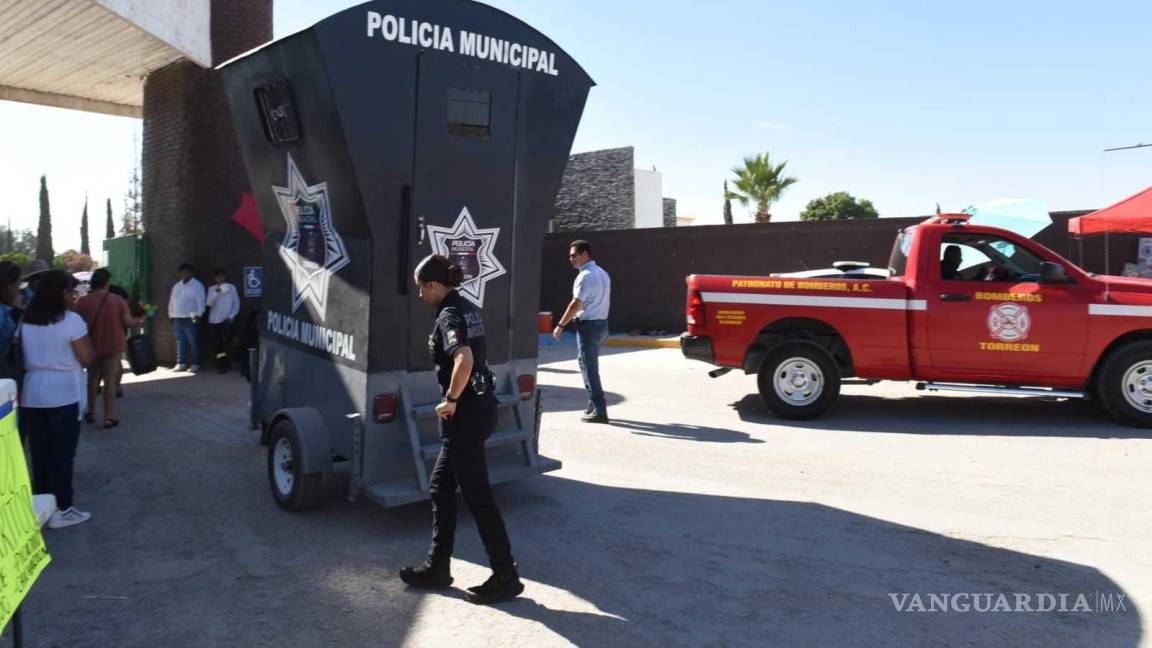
(317,448)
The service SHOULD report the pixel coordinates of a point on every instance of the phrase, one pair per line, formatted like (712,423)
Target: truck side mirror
(1052,273)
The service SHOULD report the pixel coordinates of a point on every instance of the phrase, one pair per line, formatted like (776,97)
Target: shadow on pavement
(968,416)
(686,432)
(667,568)
(573,399)
(186,547)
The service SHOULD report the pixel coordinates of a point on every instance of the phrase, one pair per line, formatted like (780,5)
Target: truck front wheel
(799,380)
(1124,385)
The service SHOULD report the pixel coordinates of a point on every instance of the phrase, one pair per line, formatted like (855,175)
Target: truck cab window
(982,257)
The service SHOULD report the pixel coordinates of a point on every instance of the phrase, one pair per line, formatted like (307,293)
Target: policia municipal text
(467,417)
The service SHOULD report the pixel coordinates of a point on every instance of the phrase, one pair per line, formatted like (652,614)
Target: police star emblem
(312,248)
(471,249)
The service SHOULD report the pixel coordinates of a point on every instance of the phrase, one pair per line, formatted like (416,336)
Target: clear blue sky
(907,104)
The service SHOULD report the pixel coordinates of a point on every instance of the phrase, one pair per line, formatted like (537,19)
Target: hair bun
(455,276)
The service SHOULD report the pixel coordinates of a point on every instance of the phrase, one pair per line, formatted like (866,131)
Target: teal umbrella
(1025,217)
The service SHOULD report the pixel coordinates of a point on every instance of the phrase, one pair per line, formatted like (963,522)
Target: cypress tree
(44,250)
(109,226)
(84,249)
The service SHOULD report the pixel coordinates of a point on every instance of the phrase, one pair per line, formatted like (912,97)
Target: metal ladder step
(431,450)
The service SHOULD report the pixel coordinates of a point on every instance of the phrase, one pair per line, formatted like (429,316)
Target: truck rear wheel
(292,489)
(1124,385)
(799,380)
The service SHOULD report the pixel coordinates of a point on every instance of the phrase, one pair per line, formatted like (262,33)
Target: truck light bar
(949,219)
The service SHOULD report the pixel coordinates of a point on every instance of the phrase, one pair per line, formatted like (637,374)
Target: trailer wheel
(1124,385)
(292,489)
(798,380)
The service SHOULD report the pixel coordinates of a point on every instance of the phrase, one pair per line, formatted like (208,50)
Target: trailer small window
(470,113)
(278,112)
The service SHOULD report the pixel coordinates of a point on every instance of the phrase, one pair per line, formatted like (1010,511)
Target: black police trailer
(389,131)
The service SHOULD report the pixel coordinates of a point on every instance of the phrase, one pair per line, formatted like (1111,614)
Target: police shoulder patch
(452,337)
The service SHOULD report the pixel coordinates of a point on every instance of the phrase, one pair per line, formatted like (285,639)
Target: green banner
(22,552)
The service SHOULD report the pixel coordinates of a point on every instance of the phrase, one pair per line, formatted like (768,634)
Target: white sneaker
(68,517)
(194,369)
(180,367)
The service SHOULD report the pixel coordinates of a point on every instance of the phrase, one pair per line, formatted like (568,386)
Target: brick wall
(193,175)
(669,212)
(598,192)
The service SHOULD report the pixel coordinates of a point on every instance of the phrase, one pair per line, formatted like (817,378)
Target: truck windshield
(898,262)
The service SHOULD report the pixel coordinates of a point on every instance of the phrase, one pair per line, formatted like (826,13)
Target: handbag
(141,359)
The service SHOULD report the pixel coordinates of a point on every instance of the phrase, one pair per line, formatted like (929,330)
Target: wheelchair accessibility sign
(253,280)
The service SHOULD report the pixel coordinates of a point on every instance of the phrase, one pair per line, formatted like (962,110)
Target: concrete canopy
(93,55)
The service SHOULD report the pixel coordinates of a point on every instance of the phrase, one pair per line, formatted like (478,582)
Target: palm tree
(759,182)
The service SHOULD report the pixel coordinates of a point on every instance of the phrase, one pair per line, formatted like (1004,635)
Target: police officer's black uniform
(462,461)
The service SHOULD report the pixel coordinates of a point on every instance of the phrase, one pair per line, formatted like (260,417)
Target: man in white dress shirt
(185,308)
(223,307)
(591,294)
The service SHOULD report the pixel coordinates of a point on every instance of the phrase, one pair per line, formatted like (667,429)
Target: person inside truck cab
(950,264)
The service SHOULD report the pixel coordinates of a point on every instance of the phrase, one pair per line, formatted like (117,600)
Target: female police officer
(467,416)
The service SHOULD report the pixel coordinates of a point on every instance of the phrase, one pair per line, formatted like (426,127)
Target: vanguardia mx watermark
(1082,602)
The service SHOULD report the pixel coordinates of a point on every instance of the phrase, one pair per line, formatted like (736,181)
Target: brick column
(192,172)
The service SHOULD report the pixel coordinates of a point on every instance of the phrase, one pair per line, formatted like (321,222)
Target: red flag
(248,216)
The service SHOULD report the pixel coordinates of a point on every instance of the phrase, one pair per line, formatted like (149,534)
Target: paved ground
(695,519)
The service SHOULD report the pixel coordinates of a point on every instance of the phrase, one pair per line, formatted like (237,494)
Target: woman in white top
(56,350)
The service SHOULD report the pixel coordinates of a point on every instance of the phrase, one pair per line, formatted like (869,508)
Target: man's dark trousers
(590,335)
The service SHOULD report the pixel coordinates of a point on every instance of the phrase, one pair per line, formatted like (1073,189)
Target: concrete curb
(650,342)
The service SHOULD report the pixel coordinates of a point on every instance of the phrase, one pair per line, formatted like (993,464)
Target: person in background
(32,278)
(136,311)
(185,308)
(56,350)
(106,315)
(591,294)
(224,305)
(950,264)
(10,311)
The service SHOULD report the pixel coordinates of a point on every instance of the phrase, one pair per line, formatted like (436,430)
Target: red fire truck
(963,307)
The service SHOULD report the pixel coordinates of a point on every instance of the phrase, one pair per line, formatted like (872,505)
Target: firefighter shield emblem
(1009,322)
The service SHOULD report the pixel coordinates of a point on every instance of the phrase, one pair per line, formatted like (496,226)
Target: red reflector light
(695,308)
(527,385)
(384,408)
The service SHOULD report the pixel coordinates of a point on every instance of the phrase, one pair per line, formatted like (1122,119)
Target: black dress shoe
(498,588)
(594,418)
(427,576)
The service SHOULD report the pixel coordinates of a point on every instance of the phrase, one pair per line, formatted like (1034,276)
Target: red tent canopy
(1133,215)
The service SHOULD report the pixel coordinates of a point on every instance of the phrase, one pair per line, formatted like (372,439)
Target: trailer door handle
(955,297)
(404,257)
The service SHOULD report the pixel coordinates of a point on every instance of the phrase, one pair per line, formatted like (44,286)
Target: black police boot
(502,585)
(430,575)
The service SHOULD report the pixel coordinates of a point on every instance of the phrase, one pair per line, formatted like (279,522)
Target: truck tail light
(384,408)
(695,308)
(527,385)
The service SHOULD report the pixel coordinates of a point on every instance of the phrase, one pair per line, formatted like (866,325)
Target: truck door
(464,175)
(990,320)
